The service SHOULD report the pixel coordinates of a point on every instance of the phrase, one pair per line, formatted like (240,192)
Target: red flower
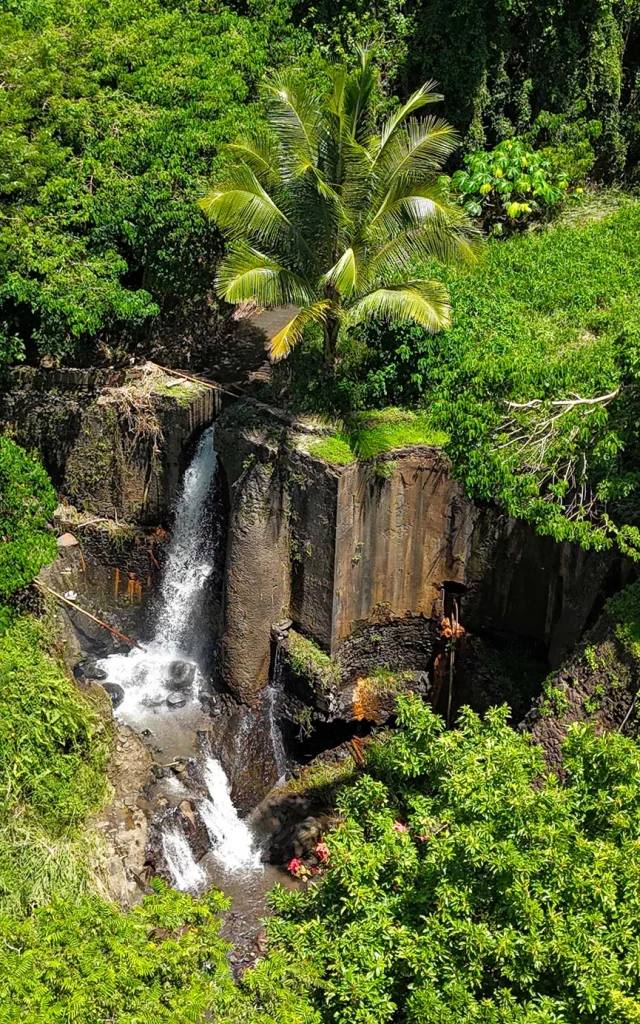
(294,866)
(322,851)
(399,827)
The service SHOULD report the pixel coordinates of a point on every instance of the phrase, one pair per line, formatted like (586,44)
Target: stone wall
(115,442)
(341,550)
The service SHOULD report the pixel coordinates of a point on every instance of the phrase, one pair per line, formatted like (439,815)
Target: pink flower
(399,827)
(294,866)
(322,851)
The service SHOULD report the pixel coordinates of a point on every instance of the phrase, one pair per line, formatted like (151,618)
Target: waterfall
(279,755)
(161,682)
(187,875)
(167,672)
(233,843)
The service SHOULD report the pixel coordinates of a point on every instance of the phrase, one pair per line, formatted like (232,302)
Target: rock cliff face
(114,442)
(349,555)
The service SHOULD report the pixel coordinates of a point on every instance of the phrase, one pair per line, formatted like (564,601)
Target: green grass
(365,435)
(377,432)
(333,448)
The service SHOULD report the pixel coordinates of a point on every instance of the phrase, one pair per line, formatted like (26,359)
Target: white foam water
(279,755)
(150,678)
(146,675)
(186,873)
(233,844)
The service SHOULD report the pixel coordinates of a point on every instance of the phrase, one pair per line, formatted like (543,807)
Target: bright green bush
(511,184)
(27,501)
(85,962)
(466,885)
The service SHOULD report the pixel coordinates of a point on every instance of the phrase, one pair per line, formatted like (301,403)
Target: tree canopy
(111,116)
(327,215)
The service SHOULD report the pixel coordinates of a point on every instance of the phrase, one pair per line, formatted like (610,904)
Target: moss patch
(374,433)
(307,660)
(625,609)
(366,435)
(334,448)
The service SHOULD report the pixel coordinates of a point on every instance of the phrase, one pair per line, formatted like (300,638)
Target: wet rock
(116,693)
(153,700)
(67,540)
(176,700)
(306,836)
(85,669)
(100,674)
(181,675)
(260,942)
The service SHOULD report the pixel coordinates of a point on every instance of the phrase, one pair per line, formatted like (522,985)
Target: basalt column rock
(115,442)
(366,563)
(257,580)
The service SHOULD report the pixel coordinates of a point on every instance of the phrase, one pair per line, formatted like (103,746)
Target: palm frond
(424,302)
(241,207)
(258,152)
(359,89)
(294,113)
(408,206)
(417,148)
(415,246)
(425,94)
(247,274)
(291,334)
(343,275)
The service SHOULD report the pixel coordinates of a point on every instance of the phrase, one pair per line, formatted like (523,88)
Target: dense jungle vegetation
(464,882)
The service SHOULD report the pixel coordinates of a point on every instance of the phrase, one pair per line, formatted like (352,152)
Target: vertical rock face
(113,442)
(397,539)
(257,573)
(353,557)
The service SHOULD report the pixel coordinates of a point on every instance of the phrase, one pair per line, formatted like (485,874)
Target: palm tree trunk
(331,331)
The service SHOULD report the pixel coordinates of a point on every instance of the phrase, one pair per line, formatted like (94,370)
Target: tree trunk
(331,331)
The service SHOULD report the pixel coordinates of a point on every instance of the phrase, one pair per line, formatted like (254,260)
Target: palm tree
(324,215)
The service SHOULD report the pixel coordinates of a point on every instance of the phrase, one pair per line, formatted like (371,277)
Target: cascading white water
(167,671)
(186,873)
(234,846)
(279,755)
(166,675)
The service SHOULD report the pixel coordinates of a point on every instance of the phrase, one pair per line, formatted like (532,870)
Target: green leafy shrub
(511,183)
(53,744)
(111,120)
(549,315)
(27,501)
(466,885)
(85,961)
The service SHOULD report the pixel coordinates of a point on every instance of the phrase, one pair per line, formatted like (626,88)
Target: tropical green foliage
(512,183)
(67,955)
(467,885)
(88,962)
(327,215)
(501,64)
(27,501)
(52,744)
(110,120)
(547,316)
